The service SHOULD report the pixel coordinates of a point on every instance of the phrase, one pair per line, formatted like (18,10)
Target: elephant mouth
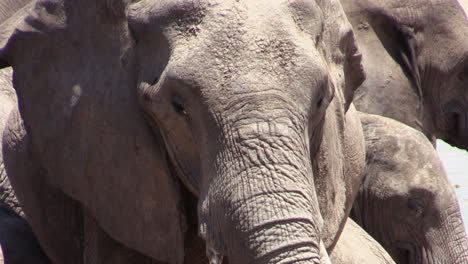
(456,122)
(404,254)
(457,126)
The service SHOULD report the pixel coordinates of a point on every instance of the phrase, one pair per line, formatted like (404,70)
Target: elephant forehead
(406,157)
(413,175)
(244,34)
(248,57)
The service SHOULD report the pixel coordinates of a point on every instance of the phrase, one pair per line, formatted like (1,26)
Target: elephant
(7,102)
(415,54)
(150,122)
(415,57)
(17,240)
(410,208)
(356,246)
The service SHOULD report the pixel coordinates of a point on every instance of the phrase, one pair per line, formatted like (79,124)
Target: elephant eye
(463,75)
(319,102)
(178,105)
(416,204)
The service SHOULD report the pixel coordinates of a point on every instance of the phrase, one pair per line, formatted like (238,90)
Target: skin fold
(130,113)
(410,208)
(415,55)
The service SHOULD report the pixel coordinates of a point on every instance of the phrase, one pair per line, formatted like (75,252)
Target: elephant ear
(341,51)
(75,76)
(10,18)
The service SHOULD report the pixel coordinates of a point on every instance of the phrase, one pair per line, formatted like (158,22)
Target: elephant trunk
(261,206)
(451,245)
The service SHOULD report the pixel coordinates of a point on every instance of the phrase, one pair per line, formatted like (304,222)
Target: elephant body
(355,246)
(415,54)
(406,201)
(228,119)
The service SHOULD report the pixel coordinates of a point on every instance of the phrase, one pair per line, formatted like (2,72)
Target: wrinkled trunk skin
(449,244)
(261,207)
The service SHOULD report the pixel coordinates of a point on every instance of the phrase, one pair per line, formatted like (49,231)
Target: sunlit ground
(456,164)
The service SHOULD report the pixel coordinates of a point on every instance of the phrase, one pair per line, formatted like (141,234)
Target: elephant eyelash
(320,102)
(178,105)
(156,80)
(416,205)
(463,75)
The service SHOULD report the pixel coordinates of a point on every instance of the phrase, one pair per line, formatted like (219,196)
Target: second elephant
(406,201)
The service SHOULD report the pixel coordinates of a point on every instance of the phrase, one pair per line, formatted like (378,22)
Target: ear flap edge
(9,31)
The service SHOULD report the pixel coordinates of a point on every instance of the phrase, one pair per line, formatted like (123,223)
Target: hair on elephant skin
(415,54)
(143,111)
(406,201)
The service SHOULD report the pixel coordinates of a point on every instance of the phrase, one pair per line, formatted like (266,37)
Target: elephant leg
(56,219)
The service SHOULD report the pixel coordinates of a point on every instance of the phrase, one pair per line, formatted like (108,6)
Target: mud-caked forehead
(238,45)
(407,161)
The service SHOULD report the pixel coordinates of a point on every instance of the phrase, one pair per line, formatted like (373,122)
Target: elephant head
(126,107)
(416,53)
(406,201)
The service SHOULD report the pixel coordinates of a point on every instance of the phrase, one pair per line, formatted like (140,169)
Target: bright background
(456,165)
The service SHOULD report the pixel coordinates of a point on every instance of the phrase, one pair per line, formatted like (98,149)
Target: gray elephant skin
(7,102)
(229,119)
(356,246)
(415,57)
(415,54)
(406,201)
